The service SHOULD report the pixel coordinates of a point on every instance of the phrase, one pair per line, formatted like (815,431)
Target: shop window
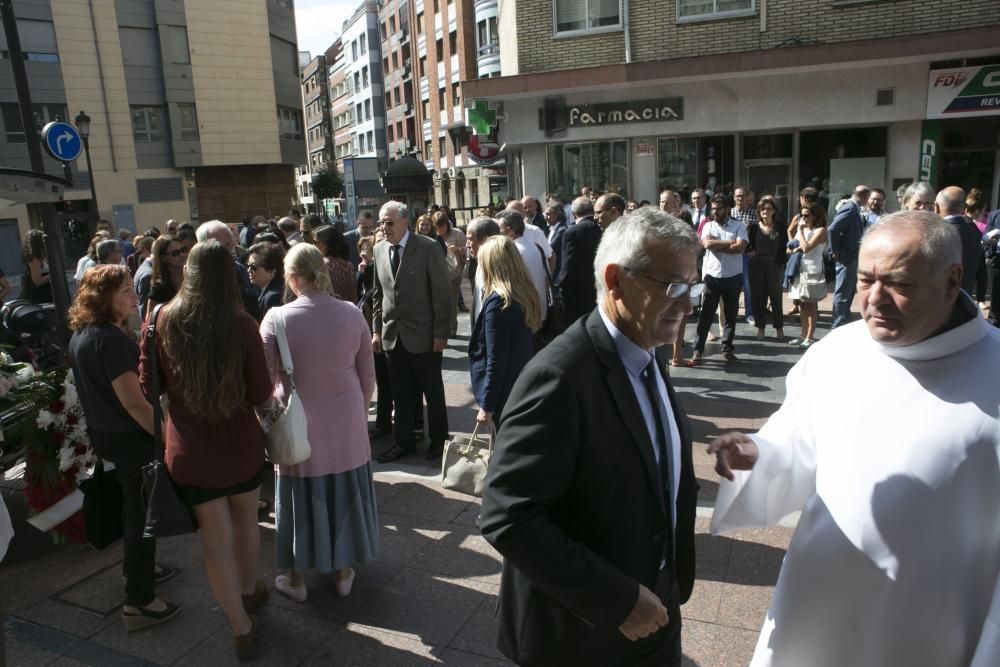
(147,124)
(601,165)
(575,16)
(700,9)
(686,163)
(834,161)
(767,146)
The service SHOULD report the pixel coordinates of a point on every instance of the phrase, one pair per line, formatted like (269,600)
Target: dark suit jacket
(500,346)
(574,503)
(539,221)
(271,296)
(972,249)
(576,277)
(415,305)
(845,232)
(556,241)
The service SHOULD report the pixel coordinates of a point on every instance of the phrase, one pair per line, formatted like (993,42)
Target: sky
(318,22)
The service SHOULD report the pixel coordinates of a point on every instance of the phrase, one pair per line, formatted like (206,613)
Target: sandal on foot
(283,584)
(695,360)
(138,618)
(796,341)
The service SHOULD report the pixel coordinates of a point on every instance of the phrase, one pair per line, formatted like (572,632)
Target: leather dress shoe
(396,452)
(378,432)
(434,451)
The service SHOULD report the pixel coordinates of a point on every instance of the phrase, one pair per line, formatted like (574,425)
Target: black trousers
(981,279)
(728,291)
(764,286)
(410,375)
(383,410)
(130,452)
(994,293)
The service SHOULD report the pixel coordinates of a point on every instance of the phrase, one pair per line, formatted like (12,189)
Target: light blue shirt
(636,359)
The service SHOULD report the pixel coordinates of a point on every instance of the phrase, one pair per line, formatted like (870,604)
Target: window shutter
(604,13)
(571,15)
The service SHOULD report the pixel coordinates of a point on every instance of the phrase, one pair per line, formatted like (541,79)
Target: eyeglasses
(176,253)
(252,267)
(673,290)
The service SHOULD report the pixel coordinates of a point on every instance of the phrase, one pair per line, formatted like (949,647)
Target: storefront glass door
(771,178)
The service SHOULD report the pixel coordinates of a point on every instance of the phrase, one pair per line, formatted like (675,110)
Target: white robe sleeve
(988,648)
(784,477)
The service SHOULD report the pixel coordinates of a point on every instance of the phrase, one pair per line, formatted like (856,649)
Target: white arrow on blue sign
(62,141)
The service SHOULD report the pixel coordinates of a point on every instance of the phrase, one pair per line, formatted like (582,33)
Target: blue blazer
(845,232)
(499,348)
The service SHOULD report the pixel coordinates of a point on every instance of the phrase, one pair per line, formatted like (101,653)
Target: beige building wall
(233,81)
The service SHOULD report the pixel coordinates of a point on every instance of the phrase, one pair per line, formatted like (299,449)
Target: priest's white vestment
(892,456)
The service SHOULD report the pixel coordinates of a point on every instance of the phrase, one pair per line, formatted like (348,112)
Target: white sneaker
(344,586)
(283,584)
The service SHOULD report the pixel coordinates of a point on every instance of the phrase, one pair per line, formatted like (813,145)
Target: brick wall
(656,35)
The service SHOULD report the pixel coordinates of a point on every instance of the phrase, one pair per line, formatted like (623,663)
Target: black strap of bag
(166,514)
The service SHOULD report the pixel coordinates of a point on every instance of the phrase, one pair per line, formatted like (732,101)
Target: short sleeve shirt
(722,264)
(100,354)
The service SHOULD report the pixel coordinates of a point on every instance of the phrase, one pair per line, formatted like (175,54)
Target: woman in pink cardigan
(324,507)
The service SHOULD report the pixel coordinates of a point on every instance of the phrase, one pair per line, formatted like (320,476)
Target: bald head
(515,206)
(950,201)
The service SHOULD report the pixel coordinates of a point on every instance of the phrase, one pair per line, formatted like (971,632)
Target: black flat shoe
(162,573)
(394,453)
(730,357)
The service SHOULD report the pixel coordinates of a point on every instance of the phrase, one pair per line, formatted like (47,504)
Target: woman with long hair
(809,285)
(213,370)
(105,360)
(336,257)
(265,270)
(502,338)
(169,256)
(807,196)
(35,285)
(325,510)
(767,251)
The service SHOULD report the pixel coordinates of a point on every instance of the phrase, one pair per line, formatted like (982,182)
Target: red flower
(72,420)
(55,407)
(57,437)
(79,449)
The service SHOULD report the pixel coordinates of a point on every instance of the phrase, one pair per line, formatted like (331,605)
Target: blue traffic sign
(62,141)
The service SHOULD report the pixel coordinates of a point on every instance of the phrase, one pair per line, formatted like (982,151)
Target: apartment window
(688,9)
(38,41)
(422,72)
(453,42)
(43,113)
(354,50)
(177,44)
(439,46)
(442,147)
(486,33)
(289,124)
(420,23)
(395,60)
(437,6)
(392,25)
(456,100)
(189,122)
(428,150)
(364,44)
(371,141)
(357,112)
(357,81)
(385,34)
(385,66)
(364,77)
(389,133)
(147,124)
(368,109)
(582,15)
(388,99)
(442,105)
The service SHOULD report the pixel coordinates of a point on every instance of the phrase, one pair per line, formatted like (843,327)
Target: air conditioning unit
(436,175)
(454,172)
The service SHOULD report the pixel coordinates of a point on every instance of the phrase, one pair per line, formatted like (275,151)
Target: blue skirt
(326,523)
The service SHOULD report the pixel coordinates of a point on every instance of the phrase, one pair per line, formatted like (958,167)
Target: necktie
(662,443)
(394,259)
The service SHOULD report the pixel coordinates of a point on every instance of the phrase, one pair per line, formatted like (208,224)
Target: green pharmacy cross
(482,118)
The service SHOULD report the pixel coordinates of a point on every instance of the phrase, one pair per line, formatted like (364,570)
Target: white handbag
(286,426)
(465,463)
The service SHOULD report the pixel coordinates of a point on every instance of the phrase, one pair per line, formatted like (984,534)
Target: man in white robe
(888,443)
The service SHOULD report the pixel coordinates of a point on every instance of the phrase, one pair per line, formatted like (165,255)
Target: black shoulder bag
(166,514)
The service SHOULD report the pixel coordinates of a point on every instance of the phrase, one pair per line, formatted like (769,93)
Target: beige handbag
(464,464)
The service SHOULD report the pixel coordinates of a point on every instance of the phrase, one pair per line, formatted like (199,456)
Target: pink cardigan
(335,375)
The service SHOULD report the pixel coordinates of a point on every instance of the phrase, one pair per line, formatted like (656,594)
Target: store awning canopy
(20,186)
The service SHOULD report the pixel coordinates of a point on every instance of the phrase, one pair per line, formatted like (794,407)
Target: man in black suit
(591,492)
(580,241)
(950,205)
(533,213)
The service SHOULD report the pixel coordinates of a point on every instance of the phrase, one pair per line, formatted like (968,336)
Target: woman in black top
(169,255)
(35,285)
(105,360)
(264,264)
(766,250)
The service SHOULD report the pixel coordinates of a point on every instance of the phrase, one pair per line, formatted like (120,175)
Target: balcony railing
(489,49)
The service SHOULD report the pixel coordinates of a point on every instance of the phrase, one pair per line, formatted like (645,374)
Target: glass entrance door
(771,178)
(969,169)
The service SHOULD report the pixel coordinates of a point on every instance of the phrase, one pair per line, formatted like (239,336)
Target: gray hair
(211,230)
(940,245)
(394,206)
(124,234)
(482,227)
(627,241)
(105,248)
(582,207)
(919,188)
(288,225)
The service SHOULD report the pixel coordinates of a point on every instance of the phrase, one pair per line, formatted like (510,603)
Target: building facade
(637,95)
(195,107)
(397,68)
(360,41)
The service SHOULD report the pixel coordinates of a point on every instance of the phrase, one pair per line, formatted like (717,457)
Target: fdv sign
(964,92)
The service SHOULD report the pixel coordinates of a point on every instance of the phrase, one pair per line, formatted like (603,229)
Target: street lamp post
(83,127)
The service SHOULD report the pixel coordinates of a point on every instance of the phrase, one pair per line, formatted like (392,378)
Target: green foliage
(327,184)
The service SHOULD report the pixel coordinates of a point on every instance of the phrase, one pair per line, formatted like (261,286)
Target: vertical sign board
(930,143)
(352,202)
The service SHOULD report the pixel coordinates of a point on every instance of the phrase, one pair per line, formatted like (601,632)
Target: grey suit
(410,310)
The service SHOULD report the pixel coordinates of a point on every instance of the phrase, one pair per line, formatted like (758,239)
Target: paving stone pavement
(430,595)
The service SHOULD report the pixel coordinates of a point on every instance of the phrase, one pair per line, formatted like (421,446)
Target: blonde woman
(501,342)
(325,507)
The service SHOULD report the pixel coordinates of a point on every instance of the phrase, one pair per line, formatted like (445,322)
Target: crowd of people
(569,303)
